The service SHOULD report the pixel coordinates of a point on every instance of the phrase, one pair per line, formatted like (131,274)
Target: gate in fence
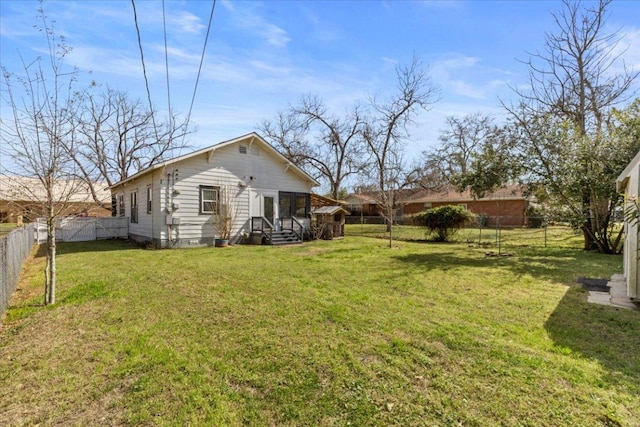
(78,229)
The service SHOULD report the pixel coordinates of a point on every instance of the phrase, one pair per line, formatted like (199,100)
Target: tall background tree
(116,137)
(458,146)
(564,118)
(386,133)
(328,146)
(34,136)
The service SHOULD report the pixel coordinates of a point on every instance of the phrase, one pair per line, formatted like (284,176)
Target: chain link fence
(493,234)
(14,249)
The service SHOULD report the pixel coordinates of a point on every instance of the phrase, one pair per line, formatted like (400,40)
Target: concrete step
(617,295)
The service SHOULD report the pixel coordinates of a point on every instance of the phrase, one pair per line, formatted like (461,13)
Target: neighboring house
(366,207)
(365,203)
(506,206)
(172,204)
(22,199)
(629,183)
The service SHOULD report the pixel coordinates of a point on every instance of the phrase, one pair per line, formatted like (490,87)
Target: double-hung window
(209,199)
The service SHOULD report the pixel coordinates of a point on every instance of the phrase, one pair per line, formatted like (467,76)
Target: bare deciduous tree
(35,133)
(386,132)
(458,144)
(117,137)
(327,146)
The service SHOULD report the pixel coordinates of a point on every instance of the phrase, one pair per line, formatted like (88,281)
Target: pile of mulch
(591,284)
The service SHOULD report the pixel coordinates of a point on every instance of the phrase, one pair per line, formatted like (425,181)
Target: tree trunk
(50,271)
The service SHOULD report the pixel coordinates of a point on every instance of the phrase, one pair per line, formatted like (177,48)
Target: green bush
(444,221)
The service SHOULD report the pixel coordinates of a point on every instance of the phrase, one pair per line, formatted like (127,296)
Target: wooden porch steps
(283,238)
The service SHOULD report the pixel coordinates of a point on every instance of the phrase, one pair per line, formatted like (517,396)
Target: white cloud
(250,21)
(275,35)
(187,22)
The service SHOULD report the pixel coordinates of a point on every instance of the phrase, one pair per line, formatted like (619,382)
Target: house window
(149,199)
(427,205)
(294,204)
(134,207)
(243,149)
(209,199)
(121,204)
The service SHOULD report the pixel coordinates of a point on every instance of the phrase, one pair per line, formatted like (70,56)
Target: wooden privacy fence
(84,229)
(14,249)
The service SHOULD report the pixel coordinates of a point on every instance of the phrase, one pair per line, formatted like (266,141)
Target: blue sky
(263,55)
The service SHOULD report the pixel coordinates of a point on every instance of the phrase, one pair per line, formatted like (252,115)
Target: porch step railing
(292,225)
(291,230)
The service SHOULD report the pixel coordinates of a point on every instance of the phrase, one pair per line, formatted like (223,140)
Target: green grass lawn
(6,228)
(552,236)
(337,333)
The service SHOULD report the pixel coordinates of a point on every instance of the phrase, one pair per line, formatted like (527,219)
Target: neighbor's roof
(251,138)
(449,193)
(359,198)
(329,210)
(28,189)
(318,200)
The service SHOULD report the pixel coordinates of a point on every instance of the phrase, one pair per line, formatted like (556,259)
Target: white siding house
(629,183)
(172,204)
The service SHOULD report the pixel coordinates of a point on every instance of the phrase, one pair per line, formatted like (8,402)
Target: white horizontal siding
(179,184)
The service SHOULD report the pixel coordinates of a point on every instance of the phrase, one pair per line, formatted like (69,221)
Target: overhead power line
(166,58)
(144,70)
(204,48)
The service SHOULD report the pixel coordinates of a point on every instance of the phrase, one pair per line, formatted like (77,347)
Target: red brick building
(506,206)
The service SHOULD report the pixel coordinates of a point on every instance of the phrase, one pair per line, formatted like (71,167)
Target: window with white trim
(209,199)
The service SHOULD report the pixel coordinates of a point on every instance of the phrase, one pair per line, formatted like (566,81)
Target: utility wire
(166,58)
(204,48)
(144,71)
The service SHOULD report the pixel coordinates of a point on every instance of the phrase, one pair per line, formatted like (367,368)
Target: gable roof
(318,200)
(329,210)
(251,138)
(368,197)
(29,189)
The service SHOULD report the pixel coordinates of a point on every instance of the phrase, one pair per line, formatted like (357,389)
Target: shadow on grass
(91,246)
(546,266)
(607,334)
